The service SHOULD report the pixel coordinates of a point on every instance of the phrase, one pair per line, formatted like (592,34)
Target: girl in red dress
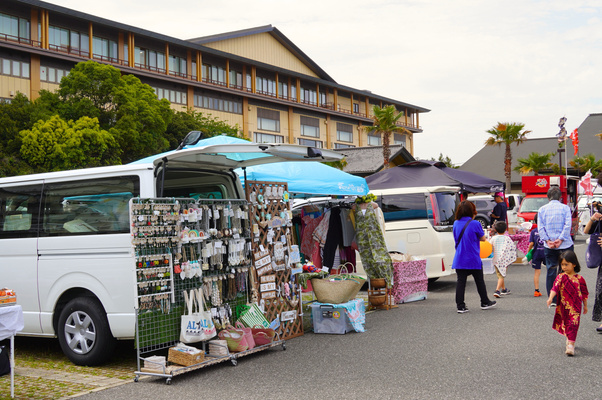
(572,291)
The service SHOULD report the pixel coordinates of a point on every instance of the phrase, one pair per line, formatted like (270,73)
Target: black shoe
(598,329)
(488,305)
(462,310)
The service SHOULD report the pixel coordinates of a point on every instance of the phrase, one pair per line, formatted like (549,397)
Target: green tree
(534,162)
(385,123)
(586,163)
(507,133)
(445,160)
(56,144)
(183,122)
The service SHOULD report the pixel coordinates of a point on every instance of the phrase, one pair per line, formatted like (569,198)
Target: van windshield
(533,204)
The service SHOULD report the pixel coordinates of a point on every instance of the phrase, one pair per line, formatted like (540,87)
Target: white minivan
(419,221)
(65,244)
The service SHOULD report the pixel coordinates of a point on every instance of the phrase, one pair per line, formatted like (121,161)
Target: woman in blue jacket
(467,260)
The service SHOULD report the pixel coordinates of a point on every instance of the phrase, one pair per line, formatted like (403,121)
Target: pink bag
(262,335)
(235,338)
(248,334)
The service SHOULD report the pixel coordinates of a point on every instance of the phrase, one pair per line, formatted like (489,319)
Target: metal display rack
(183,244)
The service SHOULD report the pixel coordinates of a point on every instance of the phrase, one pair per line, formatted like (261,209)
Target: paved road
(422,350)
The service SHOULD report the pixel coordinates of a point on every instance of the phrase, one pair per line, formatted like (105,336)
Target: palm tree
(534,162)
(587,163)
(507,133)
(385,122)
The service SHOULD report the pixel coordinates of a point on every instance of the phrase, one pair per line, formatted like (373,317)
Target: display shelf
(170,371)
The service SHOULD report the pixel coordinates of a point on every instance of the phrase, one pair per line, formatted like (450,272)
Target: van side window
(399,207)
(93,206)
(19,211)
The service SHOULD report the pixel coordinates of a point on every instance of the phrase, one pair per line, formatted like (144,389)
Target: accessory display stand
(380,295)
(184,244)
(274,285)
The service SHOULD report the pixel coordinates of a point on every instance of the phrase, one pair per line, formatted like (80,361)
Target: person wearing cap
(500,210)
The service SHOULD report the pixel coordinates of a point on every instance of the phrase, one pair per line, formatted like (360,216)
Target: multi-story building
(255,78)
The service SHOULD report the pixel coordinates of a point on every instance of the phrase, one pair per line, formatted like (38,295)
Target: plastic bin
(330,319)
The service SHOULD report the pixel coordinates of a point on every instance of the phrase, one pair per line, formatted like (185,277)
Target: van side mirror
(191,138)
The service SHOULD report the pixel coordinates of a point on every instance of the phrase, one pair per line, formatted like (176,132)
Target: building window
(214,74)
(356,108)
(310,143)
(51,74)
(104,49)
(174,96)
(399,138)
(268,120)
(374,139)
(19,69)
(193,72)
(177,66)
(283,90)
(219,104)
(265,86)
(310,127)
(342,146)
(308,96)
(344,132)
(236,79)
(149,59)
(69,41)
(249,81)
(14,28)
(323,98)
(267,138)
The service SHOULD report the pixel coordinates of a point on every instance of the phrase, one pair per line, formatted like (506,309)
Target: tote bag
(593,255)
(196,326)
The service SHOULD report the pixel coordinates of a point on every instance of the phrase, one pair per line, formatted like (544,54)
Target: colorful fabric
(571,291)
(409,278)
(504,252)
(308,231)
(554,222)
(356,312)
(321,231)
(468,252)
(371,244)
(521,240)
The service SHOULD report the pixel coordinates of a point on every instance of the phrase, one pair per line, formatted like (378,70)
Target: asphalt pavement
(420,350)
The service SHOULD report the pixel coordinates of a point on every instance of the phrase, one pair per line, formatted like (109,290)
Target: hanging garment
(348,229)
(322,229)
(307,240)
(371,243)
(334,237)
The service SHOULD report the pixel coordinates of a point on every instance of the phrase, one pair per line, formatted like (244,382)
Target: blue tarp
(308,178)
(304,178)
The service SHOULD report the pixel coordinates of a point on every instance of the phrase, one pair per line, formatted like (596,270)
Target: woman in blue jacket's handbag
(467,260)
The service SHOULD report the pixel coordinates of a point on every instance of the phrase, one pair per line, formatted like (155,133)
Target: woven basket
(378,299)
(337,291)
(185,359)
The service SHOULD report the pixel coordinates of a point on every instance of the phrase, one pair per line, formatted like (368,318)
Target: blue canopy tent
(305,179)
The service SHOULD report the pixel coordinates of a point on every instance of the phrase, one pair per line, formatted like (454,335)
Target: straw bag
(235,338)
(337,289)
(196,326)
(248,334)
(262,335)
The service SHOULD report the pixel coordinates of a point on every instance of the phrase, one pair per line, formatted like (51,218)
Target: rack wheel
(168,381)
(136,378)
(283,346)
(234,361)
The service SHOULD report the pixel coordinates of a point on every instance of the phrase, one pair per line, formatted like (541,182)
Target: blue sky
(472,63)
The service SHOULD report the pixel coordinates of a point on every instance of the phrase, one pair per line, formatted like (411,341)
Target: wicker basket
(377,299)
(183,358)
(337,291)
(378,283)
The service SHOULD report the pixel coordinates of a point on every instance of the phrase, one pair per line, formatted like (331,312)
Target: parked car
(485,204)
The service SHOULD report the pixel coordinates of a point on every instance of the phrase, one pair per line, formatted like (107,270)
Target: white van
(65,244)
(419,221)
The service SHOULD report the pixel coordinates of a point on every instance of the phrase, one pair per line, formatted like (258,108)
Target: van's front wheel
(482,222)
(84,333)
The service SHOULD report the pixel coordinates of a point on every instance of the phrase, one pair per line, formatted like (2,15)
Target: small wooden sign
(264,270)
(265,287)
(268,295)
(288,315)
(268,278)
